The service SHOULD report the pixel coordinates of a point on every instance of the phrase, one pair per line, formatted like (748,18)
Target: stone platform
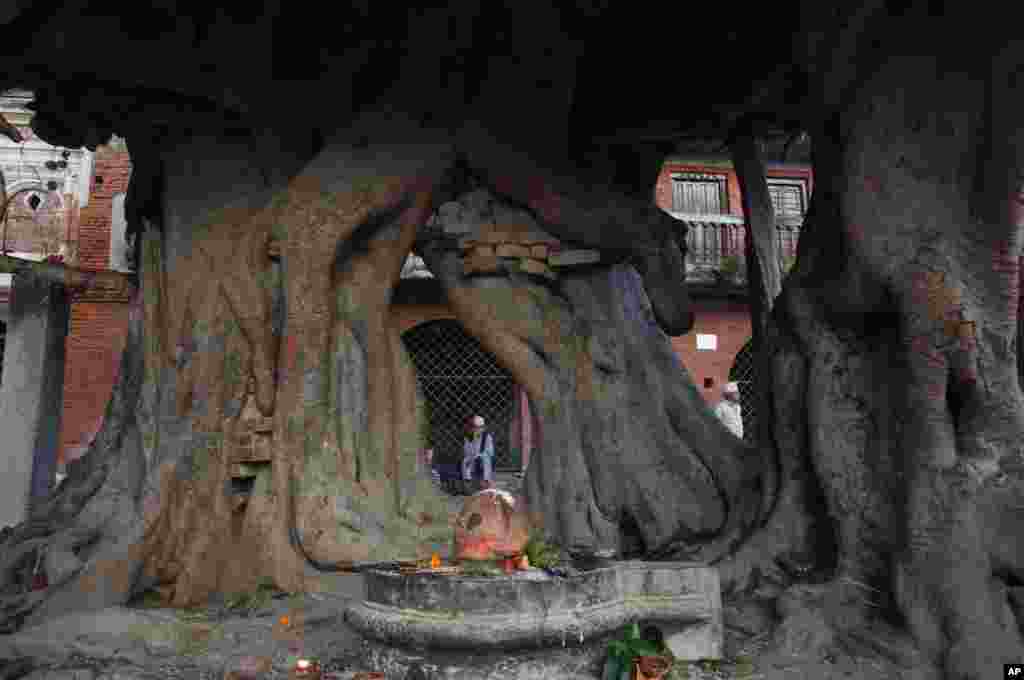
(572,662)
(434,620)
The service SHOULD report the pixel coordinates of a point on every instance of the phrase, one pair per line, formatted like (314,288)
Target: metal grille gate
(460,378)
(744,374)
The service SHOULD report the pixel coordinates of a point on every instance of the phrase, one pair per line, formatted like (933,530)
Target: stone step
(568,258)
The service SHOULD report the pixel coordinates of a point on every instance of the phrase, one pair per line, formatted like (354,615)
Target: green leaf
(633,633)
(645,648)
(618,648)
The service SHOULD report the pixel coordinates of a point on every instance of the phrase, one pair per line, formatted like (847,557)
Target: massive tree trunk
(904,301)
(225,344)
(342,484)
(764,284)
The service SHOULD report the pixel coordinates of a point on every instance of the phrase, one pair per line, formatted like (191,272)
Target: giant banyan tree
(277,192)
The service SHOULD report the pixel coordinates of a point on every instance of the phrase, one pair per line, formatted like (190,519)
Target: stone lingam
(491,527)
(526,624)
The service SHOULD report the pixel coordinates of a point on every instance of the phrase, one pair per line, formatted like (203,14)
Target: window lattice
(699,194)
(787,199)
(744,373)
(460,378)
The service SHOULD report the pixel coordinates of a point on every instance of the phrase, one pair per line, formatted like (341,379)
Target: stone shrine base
(569,663)
(429,626)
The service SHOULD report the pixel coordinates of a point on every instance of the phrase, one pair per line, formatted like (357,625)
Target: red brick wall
(111,171)
(731,323)
(96,337)
(97,330)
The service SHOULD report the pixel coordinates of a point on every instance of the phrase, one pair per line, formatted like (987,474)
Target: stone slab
(695,642)
(536,237)
(569,258)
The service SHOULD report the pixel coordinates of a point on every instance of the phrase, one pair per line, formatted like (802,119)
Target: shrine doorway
(459,377)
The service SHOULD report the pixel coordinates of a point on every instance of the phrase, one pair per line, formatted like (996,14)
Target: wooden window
(788,197)
(699,194)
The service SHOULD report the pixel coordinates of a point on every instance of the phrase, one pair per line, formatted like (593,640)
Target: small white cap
(731,387)
(476,421)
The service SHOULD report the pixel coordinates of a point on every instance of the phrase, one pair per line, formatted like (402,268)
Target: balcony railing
(716,243)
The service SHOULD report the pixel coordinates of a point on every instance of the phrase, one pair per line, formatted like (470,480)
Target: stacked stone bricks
(496,240)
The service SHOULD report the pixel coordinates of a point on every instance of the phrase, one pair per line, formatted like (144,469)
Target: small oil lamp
(305,669)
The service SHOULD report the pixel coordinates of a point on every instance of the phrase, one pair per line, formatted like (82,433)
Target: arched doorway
(460,378)
(744,374)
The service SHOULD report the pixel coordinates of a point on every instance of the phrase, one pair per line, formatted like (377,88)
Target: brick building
(69,202)
(700,188)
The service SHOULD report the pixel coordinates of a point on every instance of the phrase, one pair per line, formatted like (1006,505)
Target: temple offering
(491,527)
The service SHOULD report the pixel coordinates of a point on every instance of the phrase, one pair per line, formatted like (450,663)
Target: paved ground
(263,640)
(157,644)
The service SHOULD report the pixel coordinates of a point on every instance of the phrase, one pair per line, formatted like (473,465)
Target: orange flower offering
(285,621)
(435,561)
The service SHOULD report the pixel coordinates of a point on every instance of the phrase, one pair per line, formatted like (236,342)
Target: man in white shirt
(478,445)
(729,410)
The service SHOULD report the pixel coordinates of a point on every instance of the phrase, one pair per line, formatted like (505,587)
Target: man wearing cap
(729,410)
(477,446)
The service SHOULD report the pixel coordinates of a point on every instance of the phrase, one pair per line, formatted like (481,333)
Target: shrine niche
(252,449)
(459,378)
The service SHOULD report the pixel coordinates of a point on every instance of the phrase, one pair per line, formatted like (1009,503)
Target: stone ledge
(446,612)
(572,661)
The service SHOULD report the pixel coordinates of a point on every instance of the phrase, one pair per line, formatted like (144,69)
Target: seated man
(477,455)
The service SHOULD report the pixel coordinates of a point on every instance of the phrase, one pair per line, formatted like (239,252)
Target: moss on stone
(293,426)
(278,229)
(263,483)
(233,375)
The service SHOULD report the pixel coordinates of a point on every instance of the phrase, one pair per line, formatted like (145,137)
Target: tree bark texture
(904,302)
(219,331)
(764,276)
